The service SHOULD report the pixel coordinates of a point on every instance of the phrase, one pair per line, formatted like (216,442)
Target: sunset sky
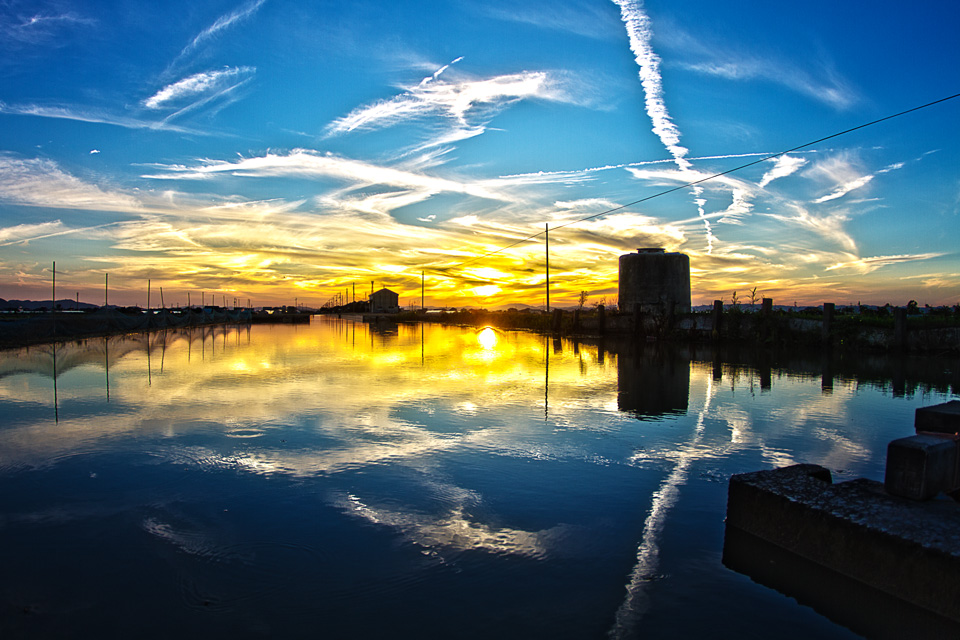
(279,150)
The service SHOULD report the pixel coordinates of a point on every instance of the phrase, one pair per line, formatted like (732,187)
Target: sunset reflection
(348,463)
(487,338)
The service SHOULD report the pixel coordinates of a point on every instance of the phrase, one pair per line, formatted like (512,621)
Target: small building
(384,301)
(655,282)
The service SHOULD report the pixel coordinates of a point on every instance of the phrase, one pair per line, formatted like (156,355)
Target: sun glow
(487,290)
(487,338)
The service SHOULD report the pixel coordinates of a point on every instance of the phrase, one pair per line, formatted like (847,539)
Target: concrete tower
(655,282)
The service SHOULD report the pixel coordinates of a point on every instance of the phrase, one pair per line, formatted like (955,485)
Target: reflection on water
(365,480)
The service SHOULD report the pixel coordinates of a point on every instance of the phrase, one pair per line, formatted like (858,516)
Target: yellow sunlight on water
(487,338)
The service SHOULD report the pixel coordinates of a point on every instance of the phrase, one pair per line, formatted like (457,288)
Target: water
(335,480)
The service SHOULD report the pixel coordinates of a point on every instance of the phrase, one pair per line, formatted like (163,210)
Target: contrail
(639,32)
(637,600)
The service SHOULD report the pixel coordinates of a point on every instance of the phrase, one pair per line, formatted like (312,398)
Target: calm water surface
(337,481)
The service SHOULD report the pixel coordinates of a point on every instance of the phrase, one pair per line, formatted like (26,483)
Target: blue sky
(274,150)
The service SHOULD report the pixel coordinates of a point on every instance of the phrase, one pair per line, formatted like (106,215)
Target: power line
(711,177)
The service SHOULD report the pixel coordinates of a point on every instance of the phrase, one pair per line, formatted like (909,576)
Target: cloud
(844,189)
(206,82)
(784,166)
(829,227)
(223,23)
(828,87)
(581,19)
(406,186)
(26,232)
(457,102)
(38,28)
(842,171)
(81,114)
(871,264)
(94,151)
(41,183)
(820,81)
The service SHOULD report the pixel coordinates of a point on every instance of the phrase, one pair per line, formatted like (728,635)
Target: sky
(283,151)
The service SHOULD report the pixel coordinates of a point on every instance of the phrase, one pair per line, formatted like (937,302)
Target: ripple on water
(219,577)
(245,433)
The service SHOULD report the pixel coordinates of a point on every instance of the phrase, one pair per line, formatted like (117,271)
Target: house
(384,301)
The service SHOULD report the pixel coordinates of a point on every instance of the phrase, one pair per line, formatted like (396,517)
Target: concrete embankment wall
(777,329)
(31,329)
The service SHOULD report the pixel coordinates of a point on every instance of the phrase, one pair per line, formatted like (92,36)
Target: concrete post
(557,320)
(766,317)
(900,327)
(828,309)
(717,317)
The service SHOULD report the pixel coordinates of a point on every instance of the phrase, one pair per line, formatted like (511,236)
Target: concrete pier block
(921,466)
(940,418)
(908,550)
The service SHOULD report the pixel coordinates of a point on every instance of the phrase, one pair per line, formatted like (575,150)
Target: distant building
(384,301)
(655,282)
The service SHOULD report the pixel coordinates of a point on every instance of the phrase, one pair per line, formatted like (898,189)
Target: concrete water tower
(654,281)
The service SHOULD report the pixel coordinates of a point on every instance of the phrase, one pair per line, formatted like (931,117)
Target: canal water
(343,480)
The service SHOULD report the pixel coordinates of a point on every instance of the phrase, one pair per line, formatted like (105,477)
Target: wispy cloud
(301,162)
(204,83)
(829,226)
(871,264)
(42,183)
(844,172)
(818,80)
(223,23)
(84,114)
(55,232)
(466,105)
(844,189)
(783,166)
(584,19)
(25,232)
(826,87)
(36,27)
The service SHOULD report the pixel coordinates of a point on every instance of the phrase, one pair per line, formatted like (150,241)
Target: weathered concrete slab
(908,550)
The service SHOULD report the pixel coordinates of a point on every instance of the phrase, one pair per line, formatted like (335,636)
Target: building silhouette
(384,301)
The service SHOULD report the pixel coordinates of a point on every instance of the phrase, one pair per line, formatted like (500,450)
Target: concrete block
(909,550)
(921,466)
(940,418)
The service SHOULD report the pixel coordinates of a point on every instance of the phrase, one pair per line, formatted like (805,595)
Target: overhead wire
(707,178)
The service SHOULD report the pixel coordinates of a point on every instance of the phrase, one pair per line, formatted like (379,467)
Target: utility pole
(148,294)
(106,288)
(53,300)
(421,292)
(546,234)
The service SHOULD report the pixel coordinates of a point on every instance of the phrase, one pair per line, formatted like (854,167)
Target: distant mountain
(66,304)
